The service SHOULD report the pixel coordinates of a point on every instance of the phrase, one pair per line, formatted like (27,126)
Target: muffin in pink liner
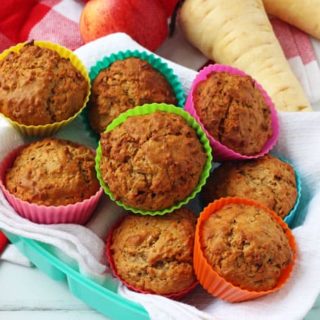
(268,132)
(78,212)
(139,235)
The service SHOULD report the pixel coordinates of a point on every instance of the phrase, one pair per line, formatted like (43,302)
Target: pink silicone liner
(78,213)
(220,151)
(176,295)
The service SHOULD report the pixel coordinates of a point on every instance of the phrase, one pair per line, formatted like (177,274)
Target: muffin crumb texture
(153,161)
(246,246)
(53,172)
(267,180)
(123,85)
(39,87)
(154,253)
(234,112)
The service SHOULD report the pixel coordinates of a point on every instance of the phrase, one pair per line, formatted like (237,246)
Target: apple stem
(172,25)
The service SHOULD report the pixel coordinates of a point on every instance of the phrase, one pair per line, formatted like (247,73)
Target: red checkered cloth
(54,20)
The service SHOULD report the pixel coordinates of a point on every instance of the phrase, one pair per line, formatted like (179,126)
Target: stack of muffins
(152,159)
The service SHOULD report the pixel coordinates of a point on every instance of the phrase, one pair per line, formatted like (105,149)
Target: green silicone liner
(148,109)
(156,62)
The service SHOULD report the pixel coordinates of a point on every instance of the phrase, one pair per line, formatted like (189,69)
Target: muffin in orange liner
(46,129)
(210,279)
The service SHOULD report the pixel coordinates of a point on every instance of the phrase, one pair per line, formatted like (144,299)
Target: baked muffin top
(153,161)
(39,87)
(246,246)
(155,253)
(234,112)
(267,180)
(123,85)
(53,172)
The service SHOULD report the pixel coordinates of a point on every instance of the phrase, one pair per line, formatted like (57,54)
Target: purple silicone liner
(78,213)
(221,152)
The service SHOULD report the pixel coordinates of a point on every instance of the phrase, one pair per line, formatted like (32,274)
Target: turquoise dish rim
(78,285)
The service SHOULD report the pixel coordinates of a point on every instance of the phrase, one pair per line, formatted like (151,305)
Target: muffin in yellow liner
(47,127)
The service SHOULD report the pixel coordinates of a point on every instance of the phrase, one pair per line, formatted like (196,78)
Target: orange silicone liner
(211,280)
(173,295)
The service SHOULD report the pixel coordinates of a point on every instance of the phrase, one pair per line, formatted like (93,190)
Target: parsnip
(238,33)
(304,14)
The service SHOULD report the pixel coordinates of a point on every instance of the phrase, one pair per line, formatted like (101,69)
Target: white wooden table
(28,294)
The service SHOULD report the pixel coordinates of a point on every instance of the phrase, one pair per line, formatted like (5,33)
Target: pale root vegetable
(304,14)
(238,33)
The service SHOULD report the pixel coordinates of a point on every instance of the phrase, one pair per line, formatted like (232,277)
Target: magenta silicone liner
(78,213)
(222,152)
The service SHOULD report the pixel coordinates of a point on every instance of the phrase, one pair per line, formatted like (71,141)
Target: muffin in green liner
(166,82)
(206,154)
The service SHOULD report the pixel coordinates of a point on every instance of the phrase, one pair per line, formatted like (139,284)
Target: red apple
(144,20)
(169,6)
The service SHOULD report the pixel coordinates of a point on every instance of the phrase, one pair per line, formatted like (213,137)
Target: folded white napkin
(299,139)
(13,255)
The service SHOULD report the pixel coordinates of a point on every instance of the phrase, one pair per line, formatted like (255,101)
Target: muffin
(152,161)
(123,85)
(154,254)
(233,111)
(267,180)
(246,246)
(39,87)
(53,172)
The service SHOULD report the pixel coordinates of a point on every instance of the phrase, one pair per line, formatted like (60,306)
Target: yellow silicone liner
(49,129)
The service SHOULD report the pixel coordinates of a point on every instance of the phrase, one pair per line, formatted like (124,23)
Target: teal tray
(104,299)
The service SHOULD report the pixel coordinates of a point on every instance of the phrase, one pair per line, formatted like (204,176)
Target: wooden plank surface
(28,294)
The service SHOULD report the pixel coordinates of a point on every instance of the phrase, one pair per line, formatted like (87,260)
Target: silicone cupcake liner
(148,109)
(289,219)
(49,129)
(175,295)
(156,62)
(211,280)
(78,213)
(85,120)
(221,151)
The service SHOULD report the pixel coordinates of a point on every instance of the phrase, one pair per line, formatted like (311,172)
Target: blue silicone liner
(104,299)
(292,217)
(153,60)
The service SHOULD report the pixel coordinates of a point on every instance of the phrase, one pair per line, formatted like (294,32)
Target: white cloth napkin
(299,139)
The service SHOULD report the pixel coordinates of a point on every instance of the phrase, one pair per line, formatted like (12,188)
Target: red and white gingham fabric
(54,20)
